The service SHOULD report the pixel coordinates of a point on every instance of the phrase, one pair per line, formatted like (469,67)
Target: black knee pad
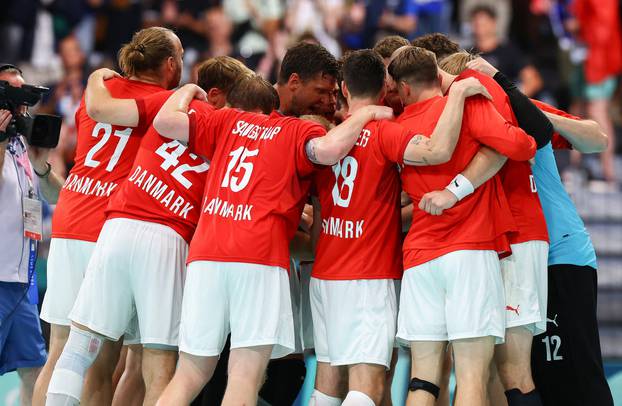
(285,378)
(517,398)
(420,384)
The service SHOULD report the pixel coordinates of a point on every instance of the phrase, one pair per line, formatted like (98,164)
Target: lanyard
(33,291)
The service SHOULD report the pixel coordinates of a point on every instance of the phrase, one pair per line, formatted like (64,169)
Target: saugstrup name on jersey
(88,186)
(254,131)
(342,228)
(154,187)
(225,209)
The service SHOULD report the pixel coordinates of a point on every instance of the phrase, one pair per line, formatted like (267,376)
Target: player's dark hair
(438,43)
(252,93)
(307,60)
(387,45)
(221,72)
(416,66)
(483,8)
(364,73)
(147,50)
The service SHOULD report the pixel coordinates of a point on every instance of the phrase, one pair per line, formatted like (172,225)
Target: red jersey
(480,221)
(557,141)
(516,176)
(103,159)
(360,200)
(166,182)
(256,188)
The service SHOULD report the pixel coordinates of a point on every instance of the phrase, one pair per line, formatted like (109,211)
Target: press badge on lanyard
(33,228)
(33,219)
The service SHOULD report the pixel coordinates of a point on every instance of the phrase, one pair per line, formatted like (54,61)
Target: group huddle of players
(216,175)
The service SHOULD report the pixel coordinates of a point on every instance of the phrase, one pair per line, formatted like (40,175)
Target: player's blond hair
(455,63)
(221,72)
(414,65)
(319,120)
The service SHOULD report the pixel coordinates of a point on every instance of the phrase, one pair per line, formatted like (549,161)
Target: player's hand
(438,201)
(194,91)
(469,87)
(481,65)
(306,220)
(379,112)
(105,74)
(38,158)
(5,119)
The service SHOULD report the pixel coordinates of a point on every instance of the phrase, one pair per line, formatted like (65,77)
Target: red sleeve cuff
(403,146)
(142,113)
(192,126)
(559,142)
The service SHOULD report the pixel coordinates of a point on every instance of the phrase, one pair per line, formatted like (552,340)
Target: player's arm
(330,148)
(586,136)
(439,148)
(528,115)
(102,107)
(172,120)
(484,165)
(491,129)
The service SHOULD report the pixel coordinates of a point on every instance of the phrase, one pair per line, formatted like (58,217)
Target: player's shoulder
(126,88)
(488,82)
(384,128)
(200,106)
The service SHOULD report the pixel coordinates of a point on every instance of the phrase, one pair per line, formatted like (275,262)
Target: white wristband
(460,186)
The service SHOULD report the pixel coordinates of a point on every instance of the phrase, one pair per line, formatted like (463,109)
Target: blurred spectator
(119,20)
(432,16)
(17,26)
(598,23)
(396,17)
(255,28)
(368,21)
(320,18)
(64,99)
(503,9)
(505,56)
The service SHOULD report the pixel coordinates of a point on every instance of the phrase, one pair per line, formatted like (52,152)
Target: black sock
(517,398)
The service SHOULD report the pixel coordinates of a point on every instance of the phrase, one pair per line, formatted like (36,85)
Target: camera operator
(22,347)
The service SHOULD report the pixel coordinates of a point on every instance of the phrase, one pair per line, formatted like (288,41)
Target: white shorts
(456,296)
(137,269)
(250,301)
(305,306)
(354,320)
(67,262)
(525,278)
